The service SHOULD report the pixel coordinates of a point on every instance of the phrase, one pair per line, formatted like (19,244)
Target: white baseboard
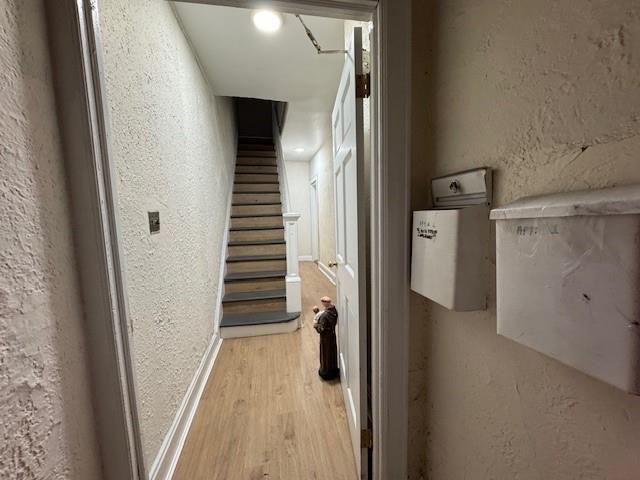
(327,272)
(167,458)
(305,258)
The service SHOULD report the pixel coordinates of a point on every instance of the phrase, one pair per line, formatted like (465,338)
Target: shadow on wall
(48,423)
(424,48)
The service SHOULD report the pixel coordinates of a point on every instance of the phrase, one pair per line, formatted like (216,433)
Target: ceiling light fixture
(267,21)
(299,149)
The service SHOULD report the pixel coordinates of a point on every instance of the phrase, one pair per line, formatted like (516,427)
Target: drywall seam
(165,463)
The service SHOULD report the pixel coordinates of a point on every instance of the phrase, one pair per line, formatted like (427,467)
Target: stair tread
(256,258)
(257,295)
(242,319)
(245,204)
(255,152)
(232,277)
(256,164)
(250,182)
(261,227)
(256,215)
(271,241)
(253,192)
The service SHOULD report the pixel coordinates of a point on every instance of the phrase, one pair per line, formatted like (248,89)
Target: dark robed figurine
(325,324)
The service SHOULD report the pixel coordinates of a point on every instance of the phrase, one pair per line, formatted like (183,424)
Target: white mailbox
(450,242)
(568,280)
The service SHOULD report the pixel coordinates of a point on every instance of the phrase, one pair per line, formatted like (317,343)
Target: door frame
(315,219)
(76,49)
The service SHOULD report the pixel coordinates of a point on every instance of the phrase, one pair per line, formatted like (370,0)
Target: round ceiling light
(299,149)
(267,21)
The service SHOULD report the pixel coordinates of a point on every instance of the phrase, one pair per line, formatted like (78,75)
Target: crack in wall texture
(521,87)
(173,144)
(47,429)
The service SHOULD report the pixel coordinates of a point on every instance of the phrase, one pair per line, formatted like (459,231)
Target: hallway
(265,413)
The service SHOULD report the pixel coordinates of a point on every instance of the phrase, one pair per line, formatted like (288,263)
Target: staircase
(255,300)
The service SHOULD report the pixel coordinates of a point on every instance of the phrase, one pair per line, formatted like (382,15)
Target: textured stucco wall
(47,426)
(521,87)
(174,148)
(321,166)
(299,200)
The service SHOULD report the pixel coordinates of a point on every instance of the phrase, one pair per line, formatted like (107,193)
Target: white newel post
(293,281)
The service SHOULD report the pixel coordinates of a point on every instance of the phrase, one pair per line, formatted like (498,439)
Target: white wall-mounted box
(568,280)
(450,242)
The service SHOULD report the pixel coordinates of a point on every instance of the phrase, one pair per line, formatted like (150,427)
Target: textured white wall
(321,166)
(299,202)
(174,148)
(47,426)
(521,87)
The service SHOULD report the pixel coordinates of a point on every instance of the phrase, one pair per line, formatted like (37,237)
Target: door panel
(348,161)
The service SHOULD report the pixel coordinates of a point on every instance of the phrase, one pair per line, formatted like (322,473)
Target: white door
(348,168)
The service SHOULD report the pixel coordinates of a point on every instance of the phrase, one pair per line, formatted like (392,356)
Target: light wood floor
(265,413)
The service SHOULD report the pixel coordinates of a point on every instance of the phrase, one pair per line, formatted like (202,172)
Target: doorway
(389,234)
(314,219)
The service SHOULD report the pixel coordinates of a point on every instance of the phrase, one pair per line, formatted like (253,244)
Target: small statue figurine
(325,324)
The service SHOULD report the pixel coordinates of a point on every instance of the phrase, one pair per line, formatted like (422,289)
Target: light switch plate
(154,222)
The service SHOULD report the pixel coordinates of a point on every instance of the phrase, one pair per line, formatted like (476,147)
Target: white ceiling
(241,61)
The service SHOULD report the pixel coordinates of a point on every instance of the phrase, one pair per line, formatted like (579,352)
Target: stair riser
(268,161)
(247,177)
(257,250)
(257,235)
(259,266)
(247,152)
(256,222)
(255,144)
(256,187)
(255,306)
(253,198)
(256,169)
(255,285)
(259,330)
(256,209)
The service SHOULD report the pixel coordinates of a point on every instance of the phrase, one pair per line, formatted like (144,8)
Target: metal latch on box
(471,187)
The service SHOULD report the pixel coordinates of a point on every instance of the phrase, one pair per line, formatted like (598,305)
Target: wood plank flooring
(265,413)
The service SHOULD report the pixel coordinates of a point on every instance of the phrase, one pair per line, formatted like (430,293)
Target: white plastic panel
(448,256)
(569,285)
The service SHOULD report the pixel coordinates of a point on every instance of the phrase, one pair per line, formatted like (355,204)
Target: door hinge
(366,438)
(363,85)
